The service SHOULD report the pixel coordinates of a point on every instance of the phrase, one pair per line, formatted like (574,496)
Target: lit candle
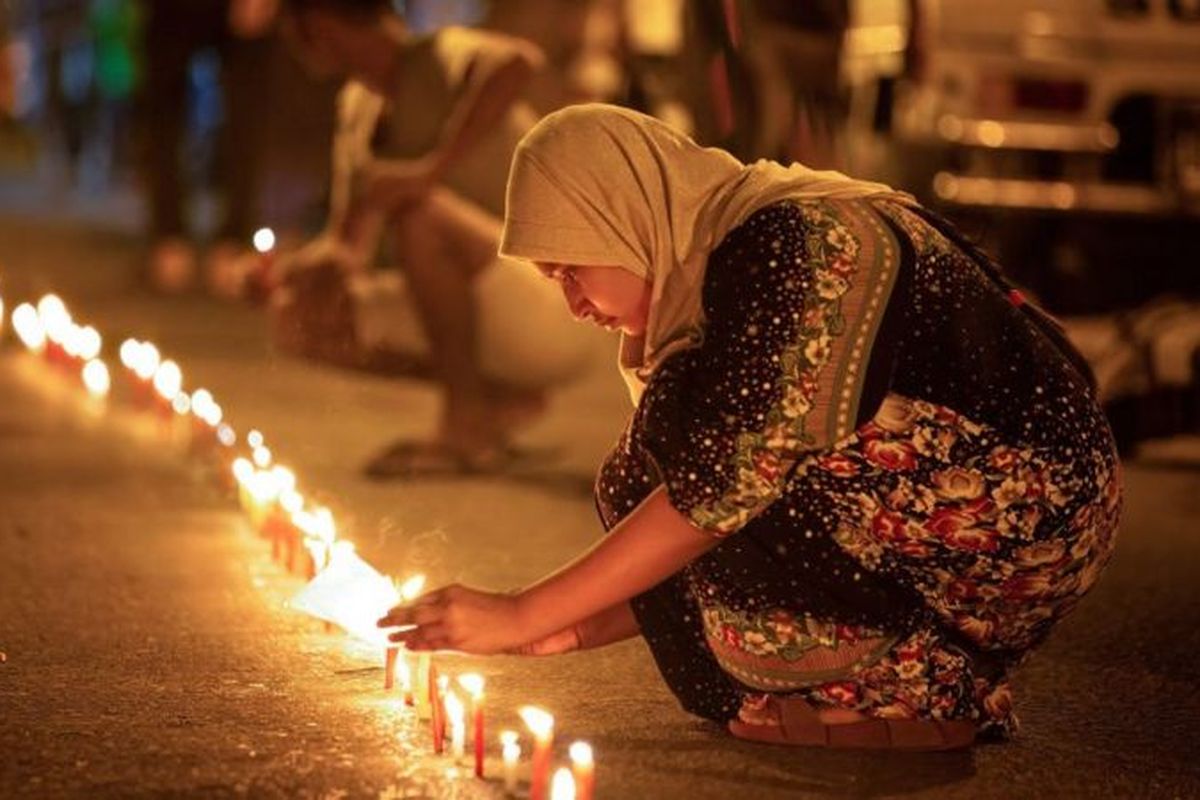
(583,767)
(290,504)
(57,325)
(439,709)
(510,753)
(410,590)
(29,329)
(563,787)
(144,360)
(473,684)
(455,717)
(405,673)
(96,378)
(435,710)
(541,724)
(261,283)
(168,381)
(389,667)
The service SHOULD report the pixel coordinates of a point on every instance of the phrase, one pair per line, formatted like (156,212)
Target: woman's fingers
(424,609)
(427,637)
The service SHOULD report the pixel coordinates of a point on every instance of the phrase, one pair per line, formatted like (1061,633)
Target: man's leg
(442,244)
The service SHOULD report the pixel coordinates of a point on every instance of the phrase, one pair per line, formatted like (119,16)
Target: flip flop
(799,724)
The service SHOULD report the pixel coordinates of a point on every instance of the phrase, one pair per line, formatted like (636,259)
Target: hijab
(600,185)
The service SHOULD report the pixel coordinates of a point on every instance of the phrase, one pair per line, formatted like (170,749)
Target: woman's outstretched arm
(652,543)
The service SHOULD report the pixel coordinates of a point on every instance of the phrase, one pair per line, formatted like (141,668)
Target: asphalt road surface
(148,650)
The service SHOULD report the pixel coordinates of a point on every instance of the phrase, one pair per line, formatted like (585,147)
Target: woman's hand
(458,618)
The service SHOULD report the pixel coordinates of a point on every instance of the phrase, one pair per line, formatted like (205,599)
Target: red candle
(583,767)
(439,709)
(389,667)
(473,684)
(435,704)
(541,725)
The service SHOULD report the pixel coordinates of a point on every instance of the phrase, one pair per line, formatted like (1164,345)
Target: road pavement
(149,651)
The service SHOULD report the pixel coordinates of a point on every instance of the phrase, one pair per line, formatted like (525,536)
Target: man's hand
(391,184)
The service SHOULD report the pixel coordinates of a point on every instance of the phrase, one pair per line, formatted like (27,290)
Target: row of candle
(268,494)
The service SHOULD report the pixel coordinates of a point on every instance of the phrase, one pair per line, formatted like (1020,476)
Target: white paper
(350,593)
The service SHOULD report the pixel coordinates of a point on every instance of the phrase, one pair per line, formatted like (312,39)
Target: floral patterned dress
(911,477)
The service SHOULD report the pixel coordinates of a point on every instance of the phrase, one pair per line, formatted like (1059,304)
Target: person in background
(864,478)
(425,136)
(174,32)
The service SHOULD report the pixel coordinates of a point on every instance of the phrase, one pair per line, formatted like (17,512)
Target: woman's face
(610,297)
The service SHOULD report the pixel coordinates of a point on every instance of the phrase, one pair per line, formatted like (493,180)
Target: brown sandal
(798,723)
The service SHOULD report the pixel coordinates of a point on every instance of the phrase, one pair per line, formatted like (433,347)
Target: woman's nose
(576,302)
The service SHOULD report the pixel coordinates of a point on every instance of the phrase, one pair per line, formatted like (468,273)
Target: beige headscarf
(601,185)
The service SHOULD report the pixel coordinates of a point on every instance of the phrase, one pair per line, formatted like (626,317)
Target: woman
(863,478)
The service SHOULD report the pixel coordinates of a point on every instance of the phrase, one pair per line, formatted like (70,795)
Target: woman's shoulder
(789,218)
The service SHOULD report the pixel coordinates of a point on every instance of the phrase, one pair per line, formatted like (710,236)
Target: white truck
(1056,106)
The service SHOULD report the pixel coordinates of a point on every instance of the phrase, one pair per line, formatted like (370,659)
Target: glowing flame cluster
(269,491)
(206,409)
(142,358)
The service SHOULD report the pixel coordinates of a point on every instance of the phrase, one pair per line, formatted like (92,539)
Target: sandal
(798,723)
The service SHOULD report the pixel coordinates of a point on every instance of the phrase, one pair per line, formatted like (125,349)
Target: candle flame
(96,378)
(254,438)
(168,379)
(473,684)
(285,479)
(264,240)
(454,707)
(539,721)
(148,361)
(262,457)
(131,351)
(55,319)
(90,342)
(411,589)
(562,787)
(443,682)
(581,753)
(508,737)
(227,436)
(243,471)
(291,501)
(29,328)
(202,400)
(181,403)
(70,339)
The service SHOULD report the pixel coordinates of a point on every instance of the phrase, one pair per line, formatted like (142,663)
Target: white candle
(510,752)
(456,717)
(563,787)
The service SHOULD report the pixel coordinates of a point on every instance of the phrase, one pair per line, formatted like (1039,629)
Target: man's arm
(492,82)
